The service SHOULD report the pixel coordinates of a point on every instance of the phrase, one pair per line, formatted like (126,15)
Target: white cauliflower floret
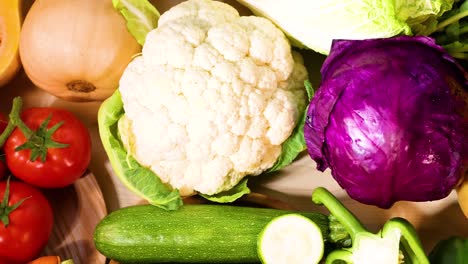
(212,98)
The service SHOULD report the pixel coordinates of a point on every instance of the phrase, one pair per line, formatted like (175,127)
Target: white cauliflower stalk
(212,97)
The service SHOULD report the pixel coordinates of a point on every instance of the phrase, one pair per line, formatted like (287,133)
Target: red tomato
(30,224)
(61,165)
(3,125)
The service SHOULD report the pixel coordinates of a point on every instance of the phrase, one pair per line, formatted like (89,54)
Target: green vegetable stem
(38,141)
(5,209)
(452,29)
(14,115)
(396,241)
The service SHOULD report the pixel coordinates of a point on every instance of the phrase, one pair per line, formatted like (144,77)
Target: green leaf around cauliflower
(141,17)
(231,195)
(138,179)
(295,144)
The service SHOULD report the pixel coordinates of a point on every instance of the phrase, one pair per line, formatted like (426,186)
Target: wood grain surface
(77,210)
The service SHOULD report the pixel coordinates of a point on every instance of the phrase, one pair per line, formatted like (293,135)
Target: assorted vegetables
(43,147)
(198,98)
(194,233)
(390,120)
(235,234)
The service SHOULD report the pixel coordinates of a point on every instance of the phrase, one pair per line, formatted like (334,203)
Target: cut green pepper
(396,242)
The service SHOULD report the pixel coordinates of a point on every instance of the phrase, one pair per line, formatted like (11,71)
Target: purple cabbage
(390,119)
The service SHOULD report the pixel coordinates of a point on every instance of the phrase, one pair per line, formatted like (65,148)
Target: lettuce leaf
(141,17)
(137,178)
(422,16)
(314,24)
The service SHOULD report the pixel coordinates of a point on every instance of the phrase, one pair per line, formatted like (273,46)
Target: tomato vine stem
(38,141)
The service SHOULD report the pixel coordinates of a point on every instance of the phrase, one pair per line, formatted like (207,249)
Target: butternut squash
(10,28)
(462,192)
(76,50)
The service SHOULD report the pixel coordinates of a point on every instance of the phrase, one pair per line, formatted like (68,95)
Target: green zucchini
(191,234)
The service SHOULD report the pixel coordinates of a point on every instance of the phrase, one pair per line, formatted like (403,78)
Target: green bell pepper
(396,242)
(453,250)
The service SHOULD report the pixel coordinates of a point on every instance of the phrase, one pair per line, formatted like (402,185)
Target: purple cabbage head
(390,119)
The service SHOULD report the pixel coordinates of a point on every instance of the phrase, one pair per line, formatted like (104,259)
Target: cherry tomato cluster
(43,147)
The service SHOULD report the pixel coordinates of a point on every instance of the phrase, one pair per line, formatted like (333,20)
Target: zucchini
(192,234)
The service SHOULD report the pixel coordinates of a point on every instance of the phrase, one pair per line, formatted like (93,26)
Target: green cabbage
(452,250)
(452,31)
(314,24)
(422,16)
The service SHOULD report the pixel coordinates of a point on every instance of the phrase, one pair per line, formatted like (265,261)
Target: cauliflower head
(211,98)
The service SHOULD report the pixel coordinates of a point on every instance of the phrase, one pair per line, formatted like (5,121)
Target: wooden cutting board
(77,210)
